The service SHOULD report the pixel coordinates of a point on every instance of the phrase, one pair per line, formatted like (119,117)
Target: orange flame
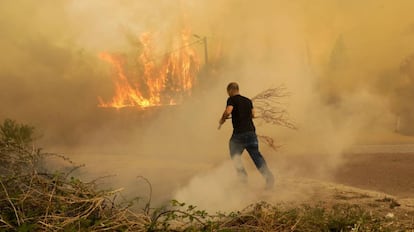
(150,82)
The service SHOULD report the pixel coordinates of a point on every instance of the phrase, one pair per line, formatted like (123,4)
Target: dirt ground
(391,173)
(380,178)
(382,161)
(381,183)
(385,169)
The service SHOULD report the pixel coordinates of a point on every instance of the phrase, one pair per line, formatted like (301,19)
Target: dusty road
(386,168)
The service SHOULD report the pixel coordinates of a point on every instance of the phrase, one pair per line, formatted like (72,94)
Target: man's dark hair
(232,86)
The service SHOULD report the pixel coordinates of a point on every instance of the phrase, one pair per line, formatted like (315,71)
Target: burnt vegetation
(32,198)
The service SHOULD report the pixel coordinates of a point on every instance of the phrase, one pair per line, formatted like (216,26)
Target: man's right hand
(221,122)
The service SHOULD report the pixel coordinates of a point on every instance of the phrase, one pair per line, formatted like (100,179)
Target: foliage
(263,216)
(14,133)
(16,158)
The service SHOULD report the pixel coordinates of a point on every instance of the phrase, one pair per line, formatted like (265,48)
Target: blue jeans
(248,140)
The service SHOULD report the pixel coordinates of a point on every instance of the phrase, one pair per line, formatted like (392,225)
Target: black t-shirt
(241,116)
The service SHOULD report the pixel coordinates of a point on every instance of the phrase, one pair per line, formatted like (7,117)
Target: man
(244,134)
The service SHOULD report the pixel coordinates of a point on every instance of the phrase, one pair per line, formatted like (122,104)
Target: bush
(36,200)
(17,134)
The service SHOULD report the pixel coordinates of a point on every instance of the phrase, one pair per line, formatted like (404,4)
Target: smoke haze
(347,64)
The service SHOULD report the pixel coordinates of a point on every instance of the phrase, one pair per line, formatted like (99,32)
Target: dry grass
(37,200)
(32,198)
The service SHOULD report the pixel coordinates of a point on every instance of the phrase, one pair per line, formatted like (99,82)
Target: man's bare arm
(226,114)
(253,113)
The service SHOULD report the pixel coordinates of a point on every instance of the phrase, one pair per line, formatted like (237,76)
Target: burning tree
(153,80)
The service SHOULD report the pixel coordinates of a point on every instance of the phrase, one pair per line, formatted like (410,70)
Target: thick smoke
(347,64)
